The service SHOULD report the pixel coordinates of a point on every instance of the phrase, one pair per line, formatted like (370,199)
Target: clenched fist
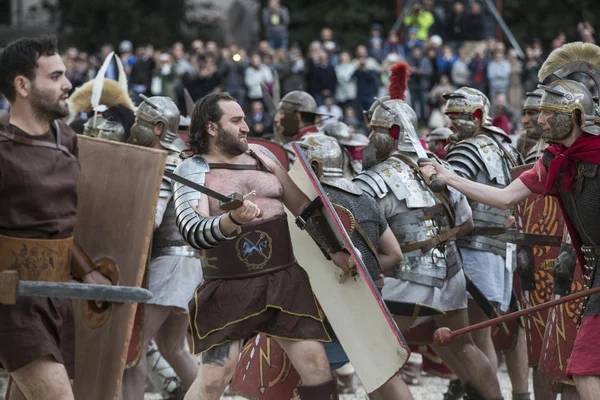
(248,212)
(434,168)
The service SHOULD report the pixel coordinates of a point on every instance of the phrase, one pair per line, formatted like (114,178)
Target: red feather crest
(398,81)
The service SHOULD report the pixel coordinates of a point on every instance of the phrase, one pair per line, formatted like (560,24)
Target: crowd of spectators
(445,49)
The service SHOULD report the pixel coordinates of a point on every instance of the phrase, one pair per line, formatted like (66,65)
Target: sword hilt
(435,184)
(237,200)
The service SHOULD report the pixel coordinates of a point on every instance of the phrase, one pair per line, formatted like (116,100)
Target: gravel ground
(431,388)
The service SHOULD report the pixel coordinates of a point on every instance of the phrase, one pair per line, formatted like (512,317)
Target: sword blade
(107,293)
(417,145)
(411,309)
(198,187)
(531,239)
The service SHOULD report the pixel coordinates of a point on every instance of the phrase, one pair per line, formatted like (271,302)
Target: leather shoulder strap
(442,197)
(34,142)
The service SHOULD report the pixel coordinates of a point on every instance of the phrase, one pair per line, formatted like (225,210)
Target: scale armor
(425,219)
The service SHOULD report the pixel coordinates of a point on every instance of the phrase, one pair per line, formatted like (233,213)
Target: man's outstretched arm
(500,198)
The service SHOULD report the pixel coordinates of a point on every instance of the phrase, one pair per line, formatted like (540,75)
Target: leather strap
(362,233)
(38,143)
(430,243)
(259,166)
(442,197)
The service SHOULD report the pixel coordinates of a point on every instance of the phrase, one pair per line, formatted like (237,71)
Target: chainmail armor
(364,209)
(581,205)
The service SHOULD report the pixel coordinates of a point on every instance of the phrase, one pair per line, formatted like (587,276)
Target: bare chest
(267,189)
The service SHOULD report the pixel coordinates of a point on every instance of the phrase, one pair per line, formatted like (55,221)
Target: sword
(189,103)
(11,287)
(271,107)
(520,238)
(228,203)
(483,303)
(411,309)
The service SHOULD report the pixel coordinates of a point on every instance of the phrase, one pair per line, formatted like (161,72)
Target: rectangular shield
(118,192)
(355,308)
(539,215)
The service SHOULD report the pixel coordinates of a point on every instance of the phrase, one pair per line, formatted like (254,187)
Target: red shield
(275,148)
(539,215)
(561,329)
(265,372)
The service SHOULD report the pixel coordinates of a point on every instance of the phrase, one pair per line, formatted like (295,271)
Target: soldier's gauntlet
(314,222)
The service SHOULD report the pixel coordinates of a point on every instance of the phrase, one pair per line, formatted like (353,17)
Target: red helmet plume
(398,81)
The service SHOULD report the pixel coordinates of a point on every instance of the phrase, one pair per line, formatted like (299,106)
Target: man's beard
(45,106)
(561,126)
(230,143)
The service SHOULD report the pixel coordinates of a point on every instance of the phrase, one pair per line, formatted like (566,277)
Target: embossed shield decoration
(118,192)
(265,372)
(539,215)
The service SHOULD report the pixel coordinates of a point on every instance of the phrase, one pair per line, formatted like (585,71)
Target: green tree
(89,24)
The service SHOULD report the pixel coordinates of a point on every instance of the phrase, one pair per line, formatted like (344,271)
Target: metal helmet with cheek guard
(326,157)
(562,64)
(154,110)
(532,104)
(466,102)
(565,96)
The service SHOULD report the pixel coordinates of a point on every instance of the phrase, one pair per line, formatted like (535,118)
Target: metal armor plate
(278,150)
(115,218)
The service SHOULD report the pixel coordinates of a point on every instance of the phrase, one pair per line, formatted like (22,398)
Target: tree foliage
(89,24)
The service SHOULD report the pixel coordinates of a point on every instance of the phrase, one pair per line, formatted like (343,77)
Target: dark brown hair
(206,110)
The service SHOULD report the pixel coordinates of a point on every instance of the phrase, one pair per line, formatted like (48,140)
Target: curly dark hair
(206,110)
(20,58)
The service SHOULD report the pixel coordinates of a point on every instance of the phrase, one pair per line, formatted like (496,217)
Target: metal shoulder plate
(195,170)
(172,163)
(396,176)
(479,153)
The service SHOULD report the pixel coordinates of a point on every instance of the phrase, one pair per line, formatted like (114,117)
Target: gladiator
(252,282)
(38,197)
(567,170)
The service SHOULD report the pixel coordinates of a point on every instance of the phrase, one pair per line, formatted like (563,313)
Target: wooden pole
(498,27)
(444,336)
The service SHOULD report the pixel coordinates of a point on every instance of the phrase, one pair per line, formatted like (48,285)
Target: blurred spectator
(377,52)
(530,71)
(256,73)
(498,74)
(445,61)
(411,42)
(474,30)
(258,121)
(376,32)
(478,68)
(515,83)
(439,18)
(293,72)
(330,108)
(354,123)
(366,81)
(502,109)
(163,81)
(461,76)
(127,56)
(233,75)
(419,83)
(330,46)
(457,26)
(345,92)
(432,55)
(207,79)
(393,45)
(435,98)
(420,19)
(321,79)
(142,73)
(276,19)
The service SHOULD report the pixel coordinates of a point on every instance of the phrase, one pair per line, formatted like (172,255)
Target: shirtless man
(252,281)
